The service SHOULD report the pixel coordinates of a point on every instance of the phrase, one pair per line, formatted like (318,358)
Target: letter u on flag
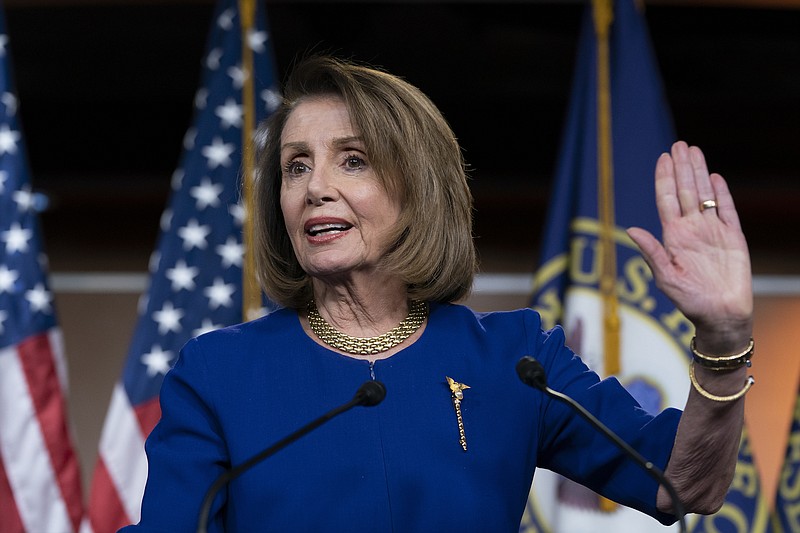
(591,278)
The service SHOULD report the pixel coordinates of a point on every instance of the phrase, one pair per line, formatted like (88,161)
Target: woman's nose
(320,187)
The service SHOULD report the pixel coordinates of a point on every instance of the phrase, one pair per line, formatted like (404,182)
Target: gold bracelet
(704,393)
(725,362)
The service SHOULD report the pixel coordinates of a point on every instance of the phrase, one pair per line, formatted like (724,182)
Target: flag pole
(251,295)
(603,15)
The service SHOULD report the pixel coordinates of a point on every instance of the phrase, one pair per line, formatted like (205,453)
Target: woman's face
(337,213)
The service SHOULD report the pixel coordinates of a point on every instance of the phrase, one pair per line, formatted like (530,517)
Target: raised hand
(703,265)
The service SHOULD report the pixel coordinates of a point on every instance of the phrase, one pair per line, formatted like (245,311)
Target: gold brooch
(457,393)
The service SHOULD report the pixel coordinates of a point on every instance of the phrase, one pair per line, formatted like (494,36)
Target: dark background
(106,91)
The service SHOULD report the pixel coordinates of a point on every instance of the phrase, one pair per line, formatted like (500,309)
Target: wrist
(721,341)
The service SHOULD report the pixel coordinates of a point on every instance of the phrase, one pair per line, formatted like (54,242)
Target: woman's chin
(333,270)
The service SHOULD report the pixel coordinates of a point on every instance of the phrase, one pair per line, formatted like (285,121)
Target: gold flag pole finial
(251,294)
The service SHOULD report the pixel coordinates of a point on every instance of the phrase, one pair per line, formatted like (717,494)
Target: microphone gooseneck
(370,393)
(531,372)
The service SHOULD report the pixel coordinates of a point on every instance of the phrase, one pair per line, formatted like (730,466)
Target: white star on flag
(231,252)
(8,140)
(206,194)
(272,99)
(212,62)
(157,360)
(3,179)
(168,319)
(230,114)
(39,298)
(225,20)
(194,235)
(3,316)
(256,40)
(206,326)
(182,276)
(16,238)
(24,199)
(189,138)
(155,261)
(237,211)
(219,294)
(238,75)
(10,101)
(177,179)
(166,219)
(218,153)
(7,279)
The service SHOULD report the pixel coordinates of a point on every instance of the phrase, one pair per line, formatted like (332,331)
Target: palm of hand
(707,272)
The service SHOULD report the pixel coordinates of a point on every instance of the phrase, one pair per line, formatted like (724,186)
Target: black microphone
(531,372)
(369,393)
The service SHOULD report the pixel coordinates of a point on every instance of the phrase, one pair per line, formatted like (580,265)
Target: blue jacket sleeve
(571,447)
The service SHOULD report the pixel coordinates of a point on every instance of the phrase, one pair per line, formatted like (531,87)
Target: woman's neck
(362,310)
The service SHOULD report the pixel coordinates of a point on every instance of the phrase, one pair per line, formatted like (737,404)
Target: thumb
(653,252)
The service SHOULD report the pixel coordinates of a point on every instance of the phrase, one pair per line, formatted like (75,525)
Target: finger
(726,210)
(705,191)
(685,179)
(667,203)
(652,251)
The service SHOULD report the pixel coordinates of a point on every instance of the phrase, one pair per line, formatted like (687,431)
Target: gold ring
(708,204)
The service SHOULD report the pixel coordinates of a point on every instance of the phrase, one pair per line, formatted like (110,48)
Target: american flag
(40,486)
(196,270)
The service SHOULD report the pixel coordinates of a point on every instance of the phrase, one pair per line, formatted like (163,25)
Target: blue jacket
(398,466)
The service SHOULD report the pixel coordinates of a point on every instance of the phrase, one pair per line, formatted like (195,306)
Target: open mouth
(327,229)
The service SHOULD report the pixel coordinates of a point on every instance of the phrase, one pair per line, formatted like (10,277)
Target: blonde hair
(416,157)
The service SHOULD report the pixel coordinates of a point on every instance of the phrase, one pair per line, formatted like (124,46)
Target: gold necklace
(417,313)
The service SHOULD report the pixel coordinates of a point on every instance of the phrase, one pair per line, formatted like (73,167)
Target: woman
(363,229)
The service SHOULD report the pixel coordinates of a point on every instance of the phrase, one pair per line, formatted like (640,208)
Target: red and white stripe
(121,471)
(40,486)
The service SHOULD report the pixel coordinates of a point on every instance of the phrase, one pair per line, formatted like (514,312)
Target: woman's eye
(295,167)
(354,162)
